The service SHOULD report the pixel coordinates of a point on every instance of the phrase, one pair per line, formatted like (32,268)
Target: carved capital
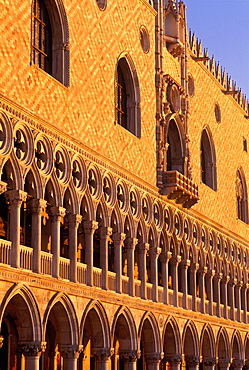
(130,243)
(102,354)
(74,220)
(237,363)
(184,264)
(210,274)
(90,226)
(165,256)
(247,364)
(225,279)
(32,348)
(209,361)
(194,267)
(57,213)
(155,251)
(193,360)
(218,276)
(38,206)
(3,187)
(70,351)
(118,237)
(1,340)
(224,362)
(232,282)
(105,232)
(16,197)
(143,248)
(129,355)
(153,357)
(175,260)
(202,271)
(173,359)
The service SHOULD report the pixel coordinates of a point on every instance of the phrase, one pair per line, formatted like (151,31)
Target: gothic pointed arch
(190,340)
(50,38)
(171,339)
(223,348)
(208,159)
(176,146)
(127,95)
(124,327)
(237,347)
(207,344)
(241,196)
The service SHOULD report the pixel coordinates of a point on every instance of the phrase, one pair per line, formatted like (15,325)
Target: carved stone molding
(153,357)
(237,363)
(70,352)
(224,362)
(32,348)
(102,354)
(193,361)
(173,359)
(130,355)
(209,361)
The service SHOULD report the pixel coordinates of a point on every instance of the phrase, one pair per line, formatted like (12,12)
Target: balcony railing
(181,188)
(64,265)
(46,263)
(81,272)
(5,248)
(26,257)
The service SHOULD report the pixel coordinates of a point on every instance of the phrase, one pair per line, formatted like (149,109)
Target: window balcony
(181,188)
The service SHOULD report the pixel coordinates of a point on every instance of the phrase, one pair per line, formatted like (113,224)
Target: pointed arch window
(241,195)
(50,39)
(127,97)
(175,156)
(208,160)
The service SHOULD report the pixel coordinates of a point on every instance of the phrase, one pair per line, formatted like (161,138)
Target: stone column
(32,352)
(216,294)
(237,364)
(209,362)
(238,287)
(57,214)
(118,239)
(244,290)
(193,362)
(102,356)
(174,361)
(193,270)
(37,207)
(154,253)
(73,222)
(143,248)
(165,257)
(174,261)
(153,360)
(105,233)
(70,354)
(224,363)
(224,282)
(184,265)
(231,285)
(89,228)
(209,278)
(202,272)
(15,199)
(130,244)
(129,358)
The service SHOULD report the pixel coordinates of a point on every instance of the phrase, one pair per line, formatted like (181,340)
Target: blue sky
(223,27)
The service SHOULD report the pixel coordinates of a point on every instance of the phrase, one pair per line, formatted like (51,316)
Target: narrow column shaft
(129,358)
(118,239)
(244,290)
(231,295)
(105,233)
(224,283)
(192,288)
(174,261)
(209,279)
(57,214)
(74,221)
(130,246)
(202,272)
(184,265)
(216,294)
(102,356)
(89,228)
(154,253)
(15,199)
(70,354)
(237,288)
(165,257)
(38,206)
(142,250)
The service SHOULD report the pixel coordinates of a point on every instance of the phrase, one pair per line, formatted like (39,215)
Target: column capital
(247,364)
(155,251)
(225,279)
(32,348)
(245,286)
(239,284)
(57,213)
(210,274)
(74,220)
(70,351)
(218,276)
(130,355)
(118,237)
(143,248)
(102,354)
(165,256)
(203,270)
(184,264)
(209,361)
(105,232)
(38,205)
(194,266)
(238,363)
(153,357)
(3,187)
(16,196)
(131,243)
(90,226)
(175,260)
(232,282)
(193,360)
(1,340)
(173,359)
(224,362)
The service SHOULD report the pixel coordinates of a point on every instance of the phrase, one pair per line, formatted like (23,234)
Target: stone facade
(123,191)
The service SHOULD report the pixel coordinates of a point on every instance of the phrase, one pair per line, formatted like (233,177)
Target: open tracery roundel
(61,165)
(5,135)
(79,174)
(23,144)
(43,155)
